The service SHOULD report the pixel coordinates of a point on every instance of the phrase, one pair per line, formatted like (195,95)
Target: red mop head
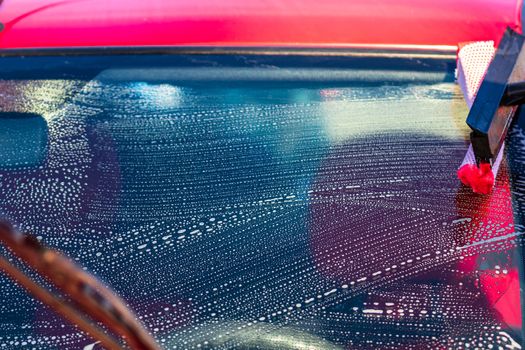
(480,179)
(473,61)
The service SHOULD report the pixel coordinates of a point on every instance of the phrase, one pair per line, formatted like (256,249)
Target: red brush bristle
(480,179)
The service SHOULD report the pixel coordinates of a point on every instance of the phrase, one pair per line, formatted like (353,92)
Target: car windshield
(261,201)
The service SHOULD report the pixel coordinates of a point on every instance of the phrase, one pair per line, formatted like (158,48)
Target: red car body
(73,23)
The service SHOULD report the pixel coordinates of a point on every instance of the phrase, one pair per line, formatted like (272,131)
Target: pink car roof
(73,23)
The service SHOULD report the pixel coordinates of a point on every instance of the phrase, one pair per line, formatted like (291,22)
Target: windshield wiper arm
(81,292)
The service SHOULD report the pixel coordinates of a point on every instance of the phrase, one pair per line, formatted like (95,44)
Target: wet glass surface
(264,215)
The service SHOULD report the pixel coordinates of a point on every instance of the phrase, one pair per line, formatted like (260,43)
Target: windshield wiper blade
(79,297)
